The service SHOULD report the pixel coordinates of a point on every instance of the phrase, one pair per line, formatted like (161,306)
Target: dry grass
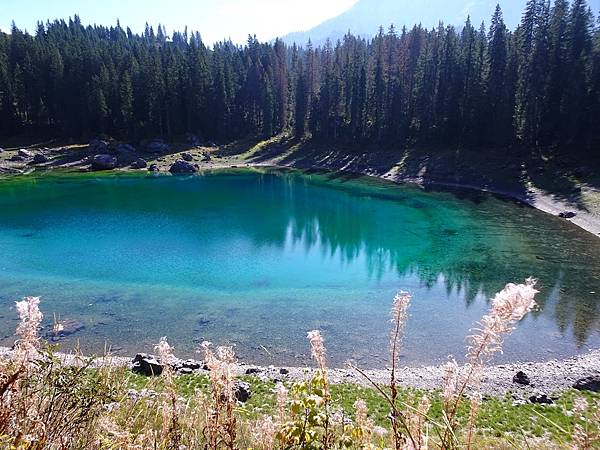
(44,404)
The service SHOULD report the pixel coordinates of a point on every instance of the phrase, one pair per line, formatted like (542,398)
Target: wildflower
(31,318)
(282,396)
(264,433)
(165,352)
(580,406)
(379,431)
(400,307)
(509,306)
(317,347)
(450,381)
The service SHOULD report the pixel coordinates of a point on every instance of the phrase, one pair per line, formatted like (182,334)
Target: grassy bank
(47,404)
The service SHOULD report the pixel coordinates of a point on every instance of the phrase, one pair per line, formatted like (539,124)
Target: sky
(214,19)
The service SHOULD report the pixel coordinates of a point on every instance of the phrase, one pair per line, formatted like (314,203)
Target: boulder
(17,158)
(191,364)
(153,168)
(1,150)
(252,370)
(206,157)
(25,153)
(541,399)
(104,162)
(187,157)
(241,391)
(125,148)
(185,371)
(139,163)
(521,378)
(591,383)
(284,371)
(40,158)
(181,166)
(98,146)
(145,364)
(157,146)
(567,215)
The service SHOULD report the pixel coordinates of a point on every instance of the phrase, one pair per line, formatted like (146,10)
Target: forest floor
(538,179)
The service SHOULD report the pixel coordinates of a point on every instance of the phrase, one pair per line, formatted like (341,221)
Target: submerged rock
(591,383)
(64,328)
(104,162)
(181,166)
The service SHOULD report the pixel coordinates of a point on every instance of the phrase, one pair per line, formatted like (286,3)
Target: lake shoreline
(77,158)
(546,377)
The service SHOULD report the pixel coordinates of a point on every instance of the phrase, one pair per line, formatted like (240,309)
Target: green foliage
(447,86)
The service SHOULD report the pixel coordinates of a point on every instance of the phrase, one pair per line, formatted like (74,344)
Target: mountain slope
(365,17)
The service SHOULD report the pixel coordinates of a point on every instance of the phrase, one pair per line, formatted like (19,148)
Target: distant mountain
(365,17)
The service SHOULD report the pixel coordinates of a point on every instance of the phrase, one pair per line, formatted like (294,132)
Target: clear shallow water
(256,259)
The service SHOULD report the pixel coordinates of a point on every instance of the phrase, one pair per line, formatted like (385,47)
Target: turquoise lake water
(258,258)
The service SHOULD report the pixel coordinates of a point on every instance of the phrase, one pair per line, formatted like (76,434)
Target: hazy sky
(214,19)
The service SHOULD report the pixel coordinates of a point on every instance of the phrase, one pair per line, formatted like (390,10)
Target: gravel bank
(548,377)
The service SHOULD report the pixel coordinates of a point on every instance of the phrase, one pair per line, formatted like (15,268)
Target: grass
(498,417)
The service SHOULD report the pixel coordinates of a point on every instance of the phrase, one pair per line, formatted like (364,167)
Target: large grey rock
(241,391)
(146,365)
(104,162)
(1,150)
(157,146)
(567,215)
(40,158)
(25,153)
(591,383)
(139,163)
(181,166)
(98,146)
(125,148)
(521,378)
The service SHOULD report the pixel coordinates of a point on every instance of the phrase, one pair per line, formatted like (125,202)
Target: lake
(256,258)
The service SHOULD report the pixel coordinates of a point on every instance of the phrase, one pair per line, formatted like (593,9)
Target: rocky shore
(524,381)
(578,203)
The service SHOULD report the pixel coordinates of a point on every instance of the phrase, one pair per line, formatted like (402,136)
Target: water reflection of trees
(437,243)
